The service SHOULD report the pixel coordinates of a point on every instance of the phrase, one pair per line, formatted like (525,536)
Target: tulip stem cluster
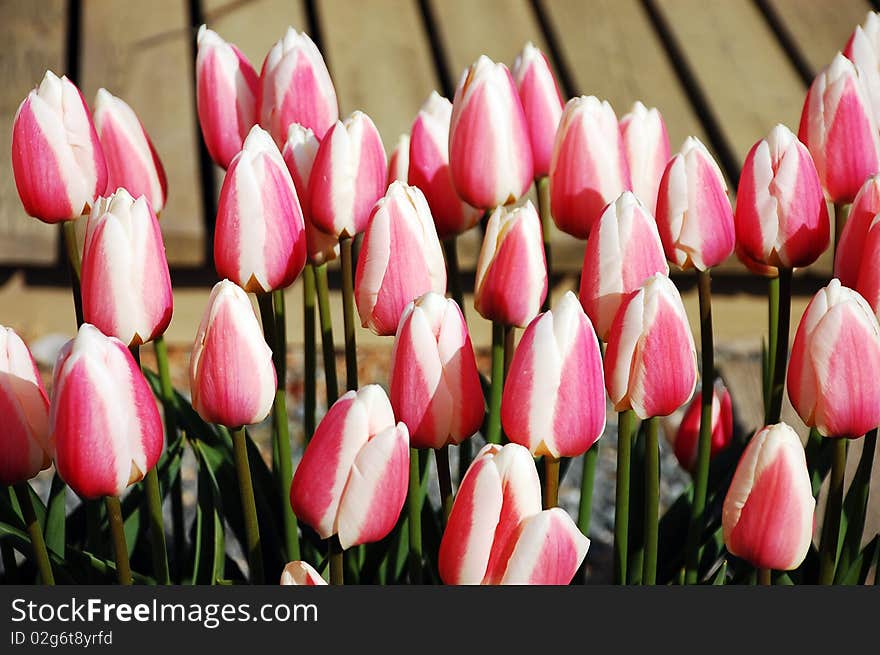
(778,353)
(117,533)
(621,499)
(249,507)
(499,340)
(41,555)
(831,525)
(351,367)
(542,186)
(652,501)
(327,346)
(309,341)
(765,577)
(588,477)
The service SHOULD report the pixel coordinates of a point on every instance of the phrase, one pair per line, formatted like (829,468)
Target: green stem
(813,451)
(157,527)
(831,523)
(117,533)
(621,509)
(327,346)
(772,335)
(68,234)
(856,505)
(542,186)
(780,356)
(652,501)
(588,476)
(551,481)
(249,506)
(465,457)
(765,577)
(337,562)
(351,367)
(414,503)
(309,340)
(177,524)
(35,532)
(453,274)
(493,429)
(444,478)
(840,216)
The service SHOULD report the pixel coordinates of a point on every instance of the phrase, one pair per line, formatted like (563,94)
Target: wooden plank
(35,34)
(149,65)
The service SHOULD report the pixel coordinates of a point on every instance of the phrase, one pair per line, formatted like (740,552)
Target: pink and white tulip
(767,518)
(836,350)
(589,167)
(57,159)
(489,151)
(554,394)
(301,574)
(851,257)
(687,437)
(435,386)
(126,287)
(623,249)
(646,143)
(104,422)
(259,239)
(231,376)
(868,281)
(863,49)
(398,162)
(400,259)
(353,476)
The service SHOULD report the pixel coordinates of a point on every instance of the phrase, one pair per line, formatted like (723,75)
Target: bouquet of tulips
(302,189)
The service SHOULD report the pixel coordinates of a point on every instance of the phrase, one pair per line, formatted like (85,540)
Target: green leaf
(855,506)
(55,516)
(721,575)
(857,572)
(209,543)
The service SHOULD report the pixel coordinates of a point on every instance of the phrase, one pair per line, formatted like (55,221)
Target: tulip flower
(24,443)
(259,241)
(132,161)
(589,168)
(398,162)
(767,517)
(226,96)
(232,379)
(435,386)
(836,350)
(622,250)
(863,49)
(868,280)
(852,255)
(490,156)
(57,159)
(295,87)
(838,127)
(348,176)
(554,396)
(104,422)
(400,259)
(687,436)
(646,144)
(352,479)
(541,102)
(126,287)
(650,362)
(694,217)
(429,168)
(781,216)
(301,573)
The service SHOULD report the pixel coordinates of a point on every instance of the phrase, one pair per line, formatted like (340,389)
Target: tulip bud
(104,421)
(429,168)
(589,168)
(541,102)
(687,438)
(646,144)
(57,160)
(353,476)
(348,176)
(231,376)
(295,87)
(398,162)
(851,250)
(863,49)
(651,360)
(623,249)
(24,442)
(836,350)
(767,517)
(694,217)
(489,152)
(259,239)
(838,127)
(301,574)
(126,287)
(511,279)
(132,161)
(554,394)
(781,216)
(226,96)
(435,385)
(400,259)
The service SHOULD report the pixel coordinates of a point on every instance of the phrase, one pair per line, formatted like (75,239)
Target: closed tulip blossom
(834,359)
(400,259)
(489,151)
(853,256)
(694,216)
(767,518)
(126,287)
(24,442)
(301,574)
(541,102)
(132,161)
(646,144)
(868,280)
(554,395)
(688,434)
(622,250)
(863,49)
(57,159)
(651,362)
(104,422)
(259,239)
(352,479)
(398,162)
(511,281)
(232,379)
(429,168)
(226,96)
(838,127)
(295,87)
(589,167)
(435,386)
(781,216)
